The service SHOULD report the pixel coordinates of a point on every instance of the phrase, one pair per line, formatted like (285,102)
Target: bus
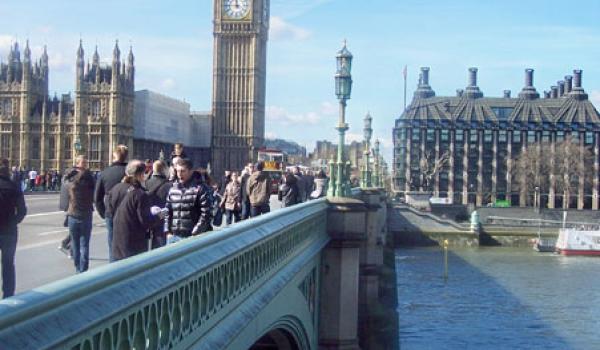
(275,164)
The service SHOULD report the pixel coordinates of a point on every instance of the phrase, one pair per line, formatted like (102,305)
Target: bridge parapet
(201,292)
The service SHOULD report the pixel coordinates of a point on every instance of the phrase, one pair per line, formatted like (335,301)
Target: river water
(497,298)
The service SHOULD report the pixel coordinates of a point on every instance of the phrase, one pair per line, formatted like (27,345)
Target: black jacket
(81,195)
(12,206)
(131,220)
(243,184)
(108,178)
(158,188)
(189,207)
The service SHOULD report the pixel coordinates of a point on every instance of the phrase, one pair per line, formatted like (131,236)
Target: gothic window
(530,137)
(6,107)
(35,147)
(560,136)
(96,109)
(68,147)
(5,145)
(95,147)
(444,135)
(589,137)
(52,147)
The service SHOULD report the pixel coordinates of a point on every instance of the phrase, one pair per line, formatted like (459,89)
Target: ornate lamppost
(340,170)
(77,146)
(367,133)
(377,170)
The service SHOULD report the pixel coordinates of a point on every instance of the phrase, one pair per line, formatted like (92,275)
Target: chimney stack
(561,88)
(528,77)
(423,89)
(546,94)
(506,93)
(576,79)
(568,84)
(528,92)
(472,90)
(425,75)
(554,91)
(459,92)
(473,76)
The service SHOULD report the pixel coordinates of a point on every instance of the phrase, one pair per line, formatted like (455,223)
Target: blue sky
(172,42)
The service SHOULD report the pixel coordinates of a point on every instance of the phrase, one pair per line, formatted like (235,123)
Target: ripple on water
(497,298)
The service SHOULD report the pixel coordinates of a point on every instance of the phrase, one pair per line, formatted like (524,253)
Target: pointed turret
(96,58)
(130,65)
(116,52)
(27,53)
(44,60)
(16,53)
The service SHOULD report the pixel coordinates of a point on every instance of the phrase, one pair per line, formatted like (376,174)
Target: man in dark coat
(288,191)
(188,205)
(158,187)
(133,216)
(259,191)
(109,178)
(81,207)
(12,212)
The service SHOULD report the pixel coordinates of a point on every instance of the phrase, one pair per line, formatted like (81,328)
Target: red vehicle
(275,163)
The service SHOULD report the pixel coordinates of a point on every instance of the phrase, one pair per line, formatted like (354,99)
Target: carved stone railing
(167,298)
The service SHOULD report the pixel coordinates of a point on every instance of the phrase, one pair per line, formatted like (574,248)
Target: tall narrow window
(95,147)
(52,147)
(5,145)
(35,147)
(516,136)
(459,135)
(68,147)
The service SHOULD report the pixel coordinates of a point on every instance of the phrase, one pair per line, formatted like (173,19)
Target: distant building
(40,132)
(326,151)
(161,121)
(483,136)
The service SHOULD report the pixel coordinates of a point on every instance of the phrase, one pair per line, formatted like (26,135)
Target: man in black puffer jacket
(188,205)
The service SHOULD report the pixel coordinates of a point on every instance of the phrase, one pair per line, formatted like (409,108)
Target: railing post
(338,320)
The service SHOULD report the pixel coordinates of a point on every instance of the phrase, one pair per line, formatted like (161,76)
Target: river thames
(497,298)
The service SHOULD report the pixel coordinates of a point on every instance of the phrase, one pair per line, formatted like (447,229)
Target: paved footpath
(38,259)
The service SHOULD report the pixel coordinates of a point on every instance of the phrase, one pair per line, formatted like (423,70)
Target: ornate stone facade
(239,78)
(482,138)
(40,132)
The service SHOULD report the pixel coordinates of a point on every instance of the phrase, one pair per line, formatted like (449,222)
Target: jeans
(230,214)
(8,246)
(81,231)
(262,209)
(245,210)
(109,228)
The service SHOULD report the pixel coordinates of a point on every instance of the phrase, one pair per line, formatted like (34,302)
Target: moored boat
(578,242)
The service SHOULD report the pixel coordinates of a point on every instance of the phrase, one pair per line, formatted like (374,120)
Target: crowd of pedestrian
(145,205)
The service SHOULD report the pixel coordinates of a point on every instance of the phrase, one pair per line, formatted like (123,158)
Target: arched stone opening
(276,339)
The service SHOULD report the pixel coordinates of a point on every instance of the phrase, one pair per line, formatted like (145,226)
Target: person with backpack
(12,212)
(158,187)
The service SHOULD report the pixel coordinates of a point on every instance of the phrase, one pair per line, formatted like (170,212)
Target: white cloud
(282,116)
(270,135)
(282,30)
(595,98)
(167,84)
(329,108)
(295,8)
(350,137)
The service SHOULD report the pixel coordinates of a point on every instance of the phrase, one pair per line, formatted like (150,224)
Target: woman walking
(232,199)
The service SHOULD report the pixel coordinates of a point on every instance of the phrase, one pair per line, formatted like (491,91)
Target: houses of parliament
(42,132)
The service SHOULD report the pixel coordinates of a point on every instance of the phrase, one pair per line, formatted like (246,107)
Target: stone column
(523,191)
(436,186)
(423,148)
(494,165)
(509,162)
(465,190)
(479,196)
(338,319)
(581,187)
(451,166)
(596,171)
(552,189)
(408,159)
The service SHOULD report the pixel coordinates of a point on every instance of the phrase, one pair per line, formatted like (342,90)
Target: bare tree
(429,167)
(537,166)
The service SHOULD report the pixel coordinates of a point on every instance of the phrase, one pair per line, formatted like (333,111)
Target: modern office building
(481,139)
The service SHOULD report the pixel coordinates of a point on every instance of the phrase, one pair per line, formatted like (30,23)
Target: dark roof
(494,110)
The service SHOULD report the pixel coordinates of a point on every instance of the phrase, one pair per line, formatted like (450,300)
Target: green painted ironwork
(178,296)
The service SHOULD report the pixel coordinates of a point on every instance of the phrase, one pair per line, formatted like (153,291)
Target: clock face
(236,9)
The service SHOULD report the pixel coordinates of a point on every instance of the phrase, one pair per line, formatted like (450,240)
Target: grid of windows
(52,147)
(5,145)
(95,147)
(459,135)
(68,147)
(516,137)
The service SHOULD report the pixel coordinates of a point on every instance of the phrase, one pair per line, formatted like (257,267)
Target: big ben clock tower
(239,80)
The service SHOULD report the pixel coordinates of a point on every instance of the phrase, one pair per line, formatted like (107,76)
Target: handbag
(218,217)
